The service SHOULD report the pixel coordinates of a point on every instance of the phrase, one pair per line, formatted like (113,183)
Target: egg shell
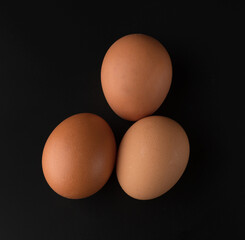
(152,156)
(136,75)
(79,156)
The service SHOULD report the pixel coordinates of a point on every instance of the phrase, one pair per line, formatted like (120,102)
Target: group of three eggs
(80,154)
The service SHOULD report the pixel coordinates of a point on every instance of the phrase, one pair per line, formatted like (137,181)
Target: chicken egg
(79,156)
(152,156)
(136,75)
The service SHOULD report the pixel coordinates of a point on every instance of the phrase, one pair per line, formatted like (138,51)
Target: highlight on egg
(79,156)
(152,156)
(136,75)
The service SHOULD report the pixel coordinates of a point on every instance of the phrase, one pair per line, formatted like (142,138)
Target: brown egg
(79,156)
(152,156)
(136,75)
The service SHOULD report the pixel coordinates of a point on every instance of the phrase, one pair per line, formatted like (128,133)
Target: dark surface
(50,60)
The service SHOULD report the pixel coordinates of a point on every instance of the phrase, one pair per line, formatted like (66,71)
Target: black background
(50,58)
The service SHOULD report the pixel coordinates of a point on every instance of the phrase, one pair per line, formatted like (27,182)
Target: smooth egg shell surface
(136,75)
(79,156)
(152,156)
